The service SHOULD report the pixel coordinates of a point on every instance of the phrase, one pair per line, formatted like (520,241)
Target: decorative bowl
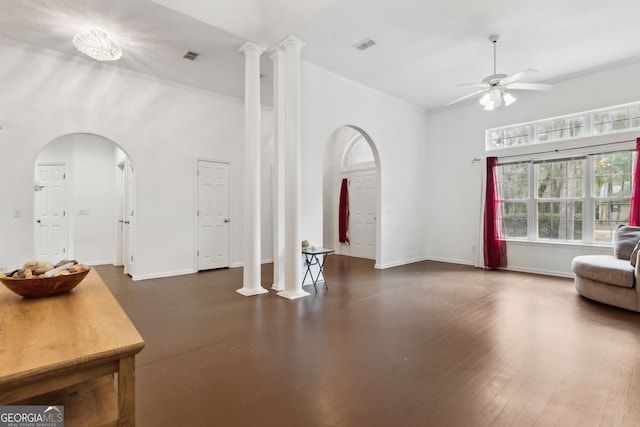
(41,287)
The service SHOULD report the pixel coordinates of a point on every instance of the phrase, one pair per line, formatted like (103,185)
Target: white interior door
(121,184)
(213,215)
(362,216)
(50,212)
(129,223)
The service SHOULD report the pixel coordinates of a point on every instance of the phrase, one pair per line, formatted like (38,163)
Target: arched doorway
(83,201)
(351,154)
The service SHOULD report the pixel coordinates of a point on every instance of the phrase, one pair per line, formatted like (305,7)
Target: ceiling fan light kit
(97,45)
(494,87)
(496,98)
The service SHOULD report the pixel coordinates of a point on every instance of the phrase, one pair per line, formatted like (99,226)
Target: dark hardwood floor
(427,344)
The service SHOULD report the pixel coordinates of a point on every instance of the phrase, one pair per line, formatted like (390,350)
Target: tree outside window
(611,192)
(513,184)
(559,194)
(556,210)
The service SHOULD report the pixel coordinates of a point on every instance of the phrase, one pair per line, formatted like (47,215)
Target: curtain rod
(558,150)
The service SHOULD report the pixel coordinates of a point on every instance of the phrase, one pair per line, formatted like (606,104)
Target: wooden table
(66,341)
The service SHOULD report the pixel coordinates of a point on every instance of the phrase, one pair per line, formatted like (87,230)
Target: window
(510,136)
(559,190)
(576,199)
(621,118)
(611,192)
(513,183)
(616,120)
(559,129)
(358,153)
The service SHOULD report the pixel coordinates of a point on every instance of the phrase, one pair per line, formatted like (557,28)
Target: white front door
(50,212)
(213,215)
(362,216)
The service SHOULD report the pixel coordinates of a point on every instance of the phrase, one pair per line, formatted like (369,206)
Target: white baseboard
(510,268)
(399,263)
(450,260)
(377,266)
(108,262)
(162,274)
(542,272)
(241,264)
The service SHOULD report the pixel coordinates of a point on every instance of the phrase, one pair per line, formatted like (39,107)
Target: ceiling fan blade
(475,85)
(467,96)
(516,76)
(495,85)
(528,86)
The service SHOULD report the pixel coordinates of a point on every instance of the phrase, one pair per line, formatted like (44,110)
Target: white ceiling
(423,47)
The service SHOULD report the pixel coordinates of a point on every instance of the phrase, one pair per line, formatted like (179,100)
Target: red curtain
(343,213)
(495,248)
(634,212)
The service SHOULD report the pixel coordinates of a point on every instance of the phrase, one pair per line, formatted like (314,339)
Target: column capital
(291,41)
(250,47)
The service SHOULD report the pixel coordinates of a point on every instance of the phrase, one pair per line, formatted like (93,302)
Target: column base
(277,287)
(293,294)
(247,292)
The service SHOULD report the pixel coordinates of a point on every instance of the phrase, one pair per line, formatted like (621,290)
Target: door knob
(227,220)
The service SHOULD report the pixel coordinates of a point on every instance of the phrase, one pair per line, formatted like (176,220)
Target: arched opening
(83,201)
(351,154)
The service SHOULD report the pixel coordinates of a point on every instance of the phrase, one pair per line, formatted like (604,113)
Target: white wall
(430,192)
(162,127)
(399,132)
(332,181)
(91,166)
(456,136)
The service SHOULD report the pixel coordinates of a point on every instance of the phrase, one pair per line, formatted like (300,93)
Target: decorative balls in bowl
(40,279)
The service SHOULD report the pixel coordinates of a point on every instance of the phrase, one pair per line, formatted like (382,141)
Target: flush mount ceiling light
(495,86)
(97,45)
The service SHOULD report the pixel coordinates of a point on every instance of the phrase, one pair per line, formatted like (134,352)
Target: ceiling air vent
(191,55)
(364,44)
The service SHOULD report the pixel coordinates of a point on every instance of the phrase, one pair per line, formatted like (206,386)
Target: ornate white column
(293,257)
(277,57)
(251,284)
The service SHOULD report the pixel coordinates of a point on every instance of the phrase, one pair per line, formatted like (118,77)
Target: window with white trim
(358,153)
(580,199)
(611,192)
(616,120)
(560,129)
(604,121)
(559,199)
(513,182)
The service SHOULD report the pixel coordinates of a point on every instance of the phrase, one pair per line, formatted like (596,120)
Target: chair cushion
(604,268)
(634,254)
(625,240)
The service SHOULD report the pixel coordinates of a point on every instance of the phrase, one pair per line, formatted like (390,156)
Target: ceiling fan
(494,86)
